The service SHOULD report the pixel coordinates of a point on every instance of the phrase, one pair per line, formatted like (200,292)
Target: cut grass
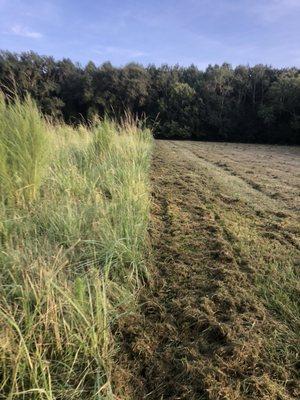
(72,250)
(224,301)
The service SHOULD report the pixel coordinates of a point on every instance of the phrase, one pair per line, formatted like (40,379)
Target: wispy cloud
(23,31)
(125,52)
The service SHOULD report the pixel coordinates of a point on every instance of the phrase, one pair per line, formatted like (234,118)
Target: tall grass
(72,250)
(23,149)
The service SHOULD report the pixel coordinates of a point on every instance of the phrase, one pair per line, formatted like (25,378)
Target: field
(109,293)
(220,319)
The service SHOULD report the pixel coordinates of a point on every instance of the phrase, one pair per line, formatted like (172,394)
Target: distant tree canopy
(250,104)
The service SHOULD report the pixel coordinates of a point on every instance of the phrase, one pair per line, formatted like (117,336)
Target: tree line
(249,104)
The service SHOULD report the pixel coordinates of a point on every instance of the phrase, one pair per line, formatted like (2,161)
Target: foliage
(249,104)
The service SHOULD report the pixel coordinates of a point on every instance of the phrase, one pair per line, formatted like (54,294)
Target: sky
(185,32)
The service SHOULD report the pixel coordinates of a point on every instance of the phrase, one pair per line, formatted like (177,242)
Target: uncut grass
(72,253)
(23,150)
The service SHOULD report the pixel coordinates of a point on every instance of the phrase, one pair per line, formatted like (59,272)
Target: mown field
(108,292)
(221,319)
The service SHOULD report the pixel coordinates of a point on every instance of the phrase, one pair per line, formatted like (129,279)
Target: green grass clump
(72,250)
(23,150)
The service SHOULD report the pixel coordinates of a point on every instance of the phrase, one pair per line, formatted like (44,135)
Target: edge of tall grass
(74,211)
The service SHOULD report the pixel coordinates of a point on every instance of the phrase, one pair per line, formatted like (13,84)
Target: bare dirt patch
(220,318)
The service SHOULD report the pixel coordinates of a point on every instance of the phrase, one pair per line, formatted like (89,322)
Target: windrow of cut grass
(74,207)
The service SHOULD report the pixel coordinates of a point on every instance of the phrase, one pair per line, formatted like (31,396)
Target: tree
(249,104)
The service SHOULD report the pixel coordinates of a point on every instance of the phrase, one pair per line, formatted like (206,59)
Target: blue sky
(201,32)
